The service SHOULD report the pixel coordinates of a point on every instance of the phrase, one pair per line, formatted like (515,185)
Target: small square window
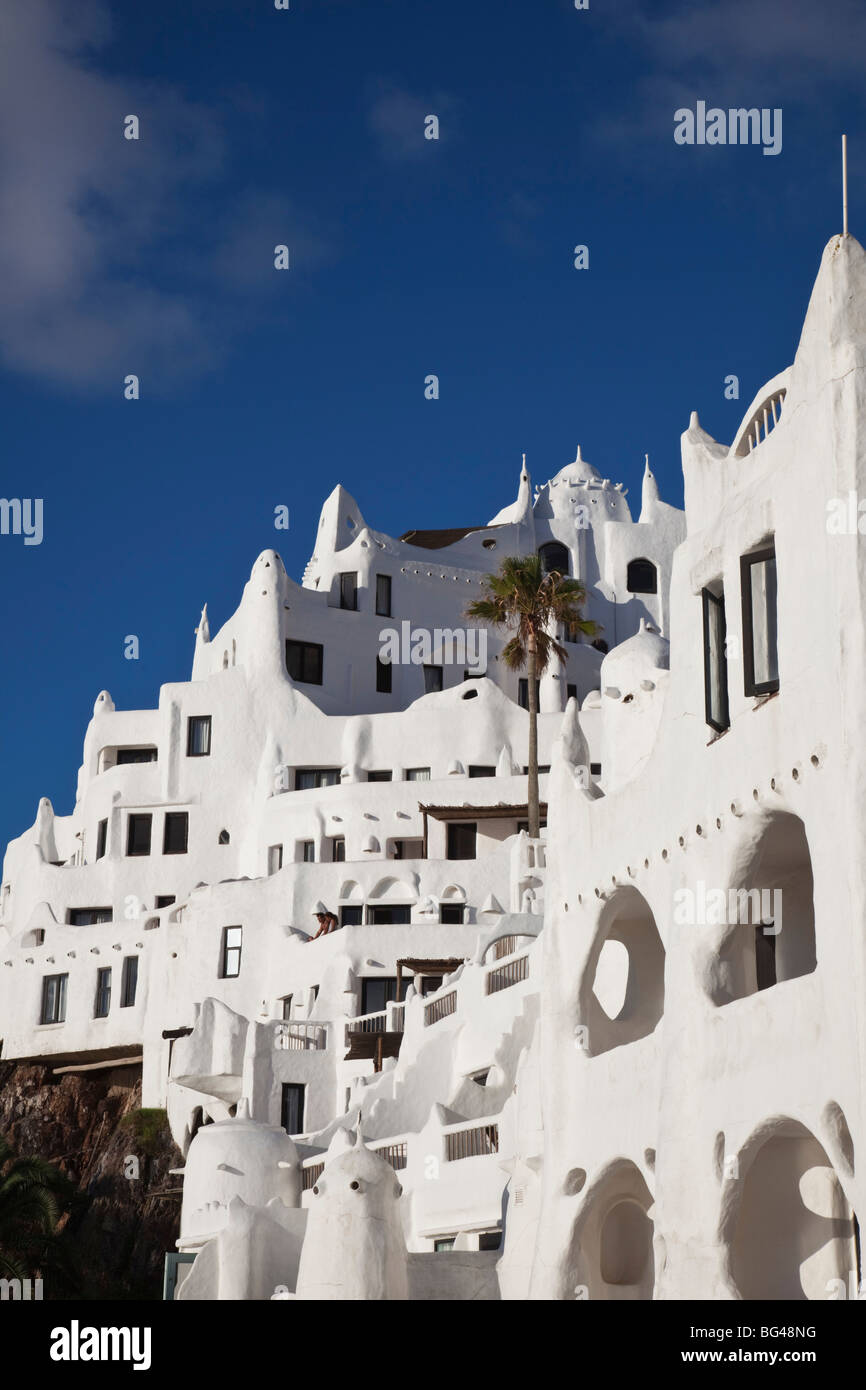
(138,834)
(450,913)
(304,661)
(175,832)
(351,916)
(198,729)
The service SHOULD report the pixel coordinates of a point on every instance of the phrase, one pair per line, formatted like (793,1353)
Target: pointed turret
(518,513)
(340,522)
(649,493)
(202,632)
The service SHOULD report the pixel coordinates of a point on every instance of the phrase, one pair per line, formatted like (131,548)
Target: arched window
(641,577)
(554,556)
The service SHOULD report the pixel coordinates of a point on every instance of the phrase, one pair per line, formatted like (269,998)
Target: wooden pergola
(476,813)
(425,966)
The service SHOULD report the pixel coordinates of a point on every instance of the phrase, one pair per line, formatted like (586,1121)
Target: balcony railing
(395,1154)
(505,946)
(310,1176)
(367,1023)
(301,1037)
(504,976)
(440,1008)
(471,1143)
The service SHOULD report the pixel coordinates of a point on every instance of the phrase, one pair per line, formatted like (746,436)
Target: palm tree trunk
(532,796)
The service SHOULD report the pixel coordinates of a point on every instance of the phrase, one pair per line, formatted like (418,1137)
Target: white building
(658,1095)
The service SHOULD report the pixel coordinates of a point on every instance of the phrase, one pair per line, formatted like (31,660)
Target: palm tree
(523,597)
(34,1195)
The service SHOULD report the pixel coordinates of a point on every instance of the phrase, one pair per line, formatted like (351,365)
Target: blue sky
(409,256)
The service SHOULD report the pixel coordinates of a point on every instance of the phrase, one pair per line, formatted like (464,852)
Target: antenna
(844,185)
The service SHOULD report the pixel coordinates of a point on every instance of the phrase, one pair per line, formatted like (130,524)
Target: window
(275,858)
(715,661)
(338,849)
(224,838)
(383,595)
(432,679)
(138,834)
(198,736)
(571,632)
(481,771)
(383,677)
(128,981)
(523,692)
(351,916)
(307,851)
(429,983)
(474,675)
(480,1077)
(88,916)
(308,777)
(384,776)
(165,900)
(524,825)
(554,556)
(461,840)
(292,1107)
(542,768)
(101,838)
(758,585)
(135,755)
(286,1007)
(230,966)
(489,1240)
(409,849)
(376,993)
(392,916)
(103,992)
(417,774)
(595,769)
(444,1243)
(600,645)
(349,590)
(641,577)
(54,999)
(304,661)
(571,692)
(175,832)
(765,955)
(450,914)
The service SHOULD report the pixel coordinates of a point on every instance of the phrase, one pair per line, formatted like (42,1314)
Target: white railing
(510,973)
(302,1037)
(471,1141)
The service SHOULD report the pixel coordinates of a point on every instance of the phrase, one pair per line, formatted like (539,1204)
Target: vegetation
(35,1200)
(522,597)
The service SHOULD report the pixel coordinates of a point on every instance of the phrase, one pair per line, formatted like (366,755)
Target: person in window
(326,920)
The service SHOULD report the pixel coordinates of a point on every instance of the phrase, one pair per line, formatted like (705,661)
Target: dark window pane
(54,999)
(383,677)
(641,577)
(308,851)
(198,736)
(292,1108)
(397,915)
(461,840)
(450,913)
(375,994)
(349,590)
(88,916)
(165,900)
(554,556)
(135,755)
(760,654)
(175,832)
(101,838)
(383,595)
(138,834)
(432,679)
(128,982)
(338,850)
(351,916)
(304,661)
(476,770)
(383,776)
(103,992)
(523,692)
(765,956)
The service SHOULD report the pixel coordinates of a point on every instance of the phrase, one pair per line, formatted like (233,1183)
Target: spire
(202,632)
(649,493)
